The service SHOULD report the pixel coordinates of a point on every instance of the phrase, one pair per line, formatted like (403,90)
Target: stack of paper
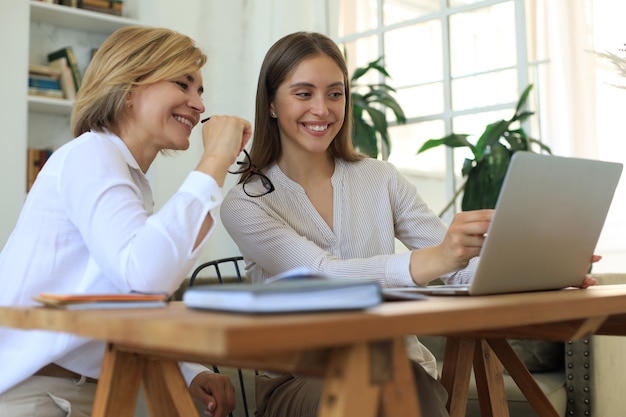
(96,301)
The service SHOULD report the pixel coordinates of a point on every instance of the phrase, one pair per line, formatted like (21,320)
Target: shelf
(75,18)
(46,105)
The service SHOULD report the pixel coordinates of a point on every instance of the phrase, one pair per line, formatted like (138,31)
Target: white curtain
(581,111)
(562,37)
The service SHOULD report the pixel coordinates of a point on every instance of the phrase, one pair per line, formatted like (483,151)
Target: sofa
(587,378)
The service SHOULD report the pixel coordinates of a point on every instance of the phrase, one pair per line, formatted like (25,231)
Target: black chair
(232,266)
(217,264)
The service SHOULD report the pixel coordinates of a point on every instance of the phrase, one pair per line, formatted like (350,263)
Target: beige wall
(13,14)
(235,34)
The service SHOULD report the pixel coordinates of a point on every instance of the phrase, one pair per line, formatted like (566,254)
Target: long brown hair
(131,56)
(281,59)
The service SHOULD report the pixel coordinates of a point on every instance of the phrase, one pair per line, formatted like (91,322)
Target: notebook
(547,222)
(290,292)
(102,301)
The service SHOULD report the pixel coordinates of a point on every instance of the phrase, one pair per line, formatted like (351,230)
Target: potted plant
(369,105)
(491,155)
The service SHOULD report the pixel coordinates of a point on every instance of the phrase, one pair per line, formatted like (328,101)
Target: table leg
(523,378)
(455,375)
(489,381)
(489,356)
(118,386)
(398,394)
(359,376)
(165,388)
(166,391)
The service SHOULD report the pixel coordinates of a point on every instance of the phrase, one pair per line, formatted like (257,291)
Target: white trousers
(44,396)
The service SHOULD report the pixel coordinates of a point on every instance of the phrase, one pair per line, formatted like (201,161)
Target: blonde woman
(88,224)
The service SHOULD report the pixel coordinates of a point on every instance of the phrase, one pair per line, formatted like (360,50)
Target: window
(456,66)
(460,64)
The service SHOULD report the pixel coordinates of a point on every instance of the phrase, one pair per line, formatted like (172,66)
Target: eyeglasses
(253,188)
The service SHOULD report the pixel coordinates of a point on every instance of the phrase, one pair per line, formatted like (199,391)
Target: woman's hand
(465,237)
(224,137)
(589,281)
(214,390)
(462,242)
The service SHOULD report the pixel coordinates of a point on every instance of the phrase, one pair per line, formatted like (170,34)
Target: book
(45,92)
(65,77)
(69,3)
(296,292)
(44,70)
(68,53)
(101,301)
(42,81)
(106,10)
(103,6)
(35,160)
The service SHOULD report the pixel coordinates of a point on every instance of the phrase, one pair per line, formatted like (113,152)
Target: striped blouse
(373,203)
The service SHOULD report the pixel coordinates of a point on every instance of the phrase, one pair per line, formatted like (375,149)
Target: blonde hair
(130,57)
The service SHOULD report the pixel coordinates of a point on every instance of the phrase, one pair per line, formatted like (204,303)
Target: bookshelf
(59,25)
(52,106)
(74,18)
(33,29)
(53,27)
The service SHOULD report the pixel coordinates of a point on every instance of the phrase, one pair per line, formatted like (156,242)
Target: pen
(205,120)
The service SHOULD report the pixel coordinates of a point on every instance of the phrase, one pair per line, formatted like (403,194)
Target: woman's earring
(273,114)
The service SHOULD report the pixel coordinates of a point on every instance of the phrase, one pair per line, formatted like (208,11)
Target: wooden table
(361,354)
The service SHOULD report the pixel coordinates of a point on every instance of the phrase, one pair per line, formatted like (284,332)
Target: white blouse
(88,226)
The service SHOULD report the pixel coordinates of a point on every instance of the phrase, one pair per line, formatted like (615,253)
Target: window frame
(523,69)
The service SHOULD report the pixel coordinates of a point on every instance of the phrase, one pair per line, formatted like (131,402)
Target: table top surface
(183,330)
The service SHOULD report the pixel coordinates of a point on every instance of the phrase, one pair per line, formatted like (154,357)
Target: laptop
(547,222)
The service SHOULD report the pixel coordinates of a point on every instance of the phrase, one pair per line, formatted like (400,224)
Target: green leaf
(485,179)
(523,97)
(468,165)
(378,118)
(373,100)
(373,65)
(453,140)
(521,116)
(516,141)
(541,145)
(383,86)
(492,134)
(492,154)
(393,105)
(367,138)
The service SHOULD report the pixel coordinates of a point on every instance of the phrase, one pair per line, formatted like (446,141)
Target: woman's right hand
(462,242)
(465,237)
(224,137)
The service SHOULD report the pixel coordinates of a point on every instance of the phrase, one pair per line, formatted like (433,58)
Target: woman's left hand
(214,390)
(589,281)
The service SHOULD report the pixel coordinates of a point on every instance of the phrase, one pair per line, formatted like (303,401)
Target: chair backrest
(217,265)
(246,377)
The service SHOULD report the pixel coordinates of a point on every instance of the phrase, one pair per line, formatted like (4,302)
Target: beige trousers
(295,396)
(44,396)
